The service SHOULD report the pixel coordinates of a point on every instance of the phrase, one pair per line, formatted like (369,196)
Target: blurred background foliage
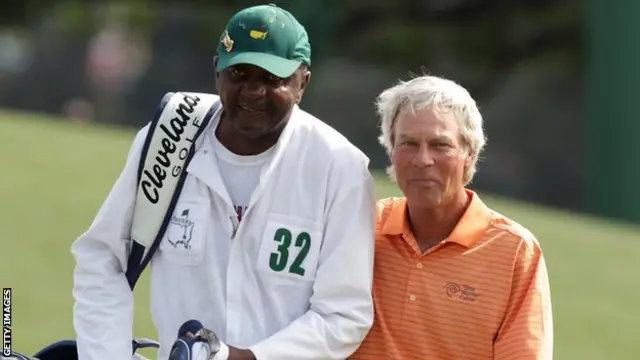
(522,60)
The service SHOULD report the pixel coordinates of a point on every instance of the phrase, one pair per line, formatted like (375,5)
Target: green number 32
(279,260)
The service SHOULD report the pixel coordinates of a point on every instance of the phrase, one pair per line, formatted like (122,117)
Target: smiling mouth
(425,181)
(251,110)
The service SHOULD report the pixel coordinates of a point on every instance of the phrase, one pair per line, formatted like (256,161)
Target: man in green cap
(270,246)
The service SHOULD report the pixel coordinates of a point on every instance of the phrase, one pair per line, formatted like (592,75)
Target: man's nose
(423,157)
(254,90)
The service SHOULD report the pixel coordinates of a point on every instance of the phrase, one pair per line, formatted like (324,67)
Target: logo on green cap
(258,35)
(226,41)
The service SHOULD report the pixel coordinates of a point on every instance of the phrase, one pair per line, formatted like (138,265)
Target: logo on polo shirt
(460,292)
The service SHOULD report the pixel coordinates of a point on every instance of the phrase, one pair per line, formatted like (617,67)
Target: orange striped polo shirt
(482,293)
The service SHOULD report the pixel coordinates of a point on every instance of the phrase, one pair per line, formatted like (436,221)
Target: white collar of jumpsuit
(208,172)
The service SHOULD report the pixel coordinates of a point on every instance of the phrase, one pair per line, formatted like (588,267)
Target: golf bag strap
(171,142)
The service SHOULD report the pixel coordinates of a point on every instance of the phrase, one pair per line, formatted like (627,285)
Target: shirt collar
(467,232)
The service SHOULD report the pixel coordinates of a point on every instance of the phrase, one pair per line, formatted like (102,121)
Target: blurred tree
(522,61)
(15,13)
(613,126)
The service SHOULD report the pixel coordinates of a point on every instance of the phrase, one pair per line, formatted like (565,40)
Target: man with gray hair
(453,278)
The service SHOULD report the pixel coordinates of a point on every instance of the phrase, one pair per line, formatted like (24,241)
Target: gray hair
(441,95)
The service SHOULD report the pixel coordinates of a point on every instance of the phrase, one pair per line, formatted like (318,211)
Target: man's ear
(468,161)
(217,74)
(306,78)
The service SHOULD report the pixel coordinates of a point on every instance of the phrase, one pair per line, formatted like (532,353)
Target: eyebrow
(440,137)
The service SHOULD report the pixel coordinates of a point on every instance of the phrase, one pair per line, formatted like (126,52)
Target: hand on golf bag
(197,343)
(67,350)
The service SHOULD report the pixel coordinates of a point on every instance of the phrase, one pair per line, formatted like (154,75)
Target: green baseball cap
(266,36)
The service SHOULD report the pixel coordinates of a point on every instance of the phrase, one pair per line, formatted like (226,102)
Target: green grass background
(55,175)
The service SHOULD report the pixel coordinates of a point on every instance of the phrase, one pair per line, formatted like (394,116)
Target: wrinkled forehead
(426,122)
